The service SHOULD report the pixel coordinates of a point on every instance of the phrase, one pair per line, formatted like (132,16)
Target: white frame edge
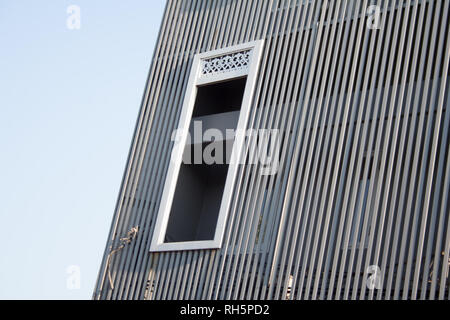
(157,242)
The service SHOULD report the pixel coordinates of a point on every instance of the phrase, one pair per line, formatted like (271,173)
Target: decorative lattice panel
(236,61)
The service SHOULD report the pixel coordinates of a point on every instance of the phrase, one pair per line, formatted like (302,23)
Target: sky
(69,100)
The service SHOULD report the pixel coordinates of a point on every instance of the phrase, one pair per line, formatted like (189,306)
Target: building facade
(341,189)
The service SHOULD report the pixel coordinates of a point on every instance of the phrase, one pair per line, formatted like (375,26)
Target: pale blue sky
(68,105)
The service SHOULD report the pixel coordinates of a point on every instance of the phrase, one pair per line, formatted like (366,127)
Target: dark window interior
(196,204)
(219,97)
(199,189)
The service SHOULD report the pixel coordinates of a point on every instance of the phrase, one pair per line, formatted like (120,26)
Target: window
(199,182)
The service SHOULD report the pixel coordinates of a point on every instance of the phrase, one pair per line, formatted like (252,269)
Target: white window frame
(196,78)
